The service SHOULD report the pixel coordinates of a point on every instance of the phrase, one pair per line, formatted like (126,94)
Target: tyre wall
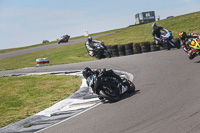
(134,48)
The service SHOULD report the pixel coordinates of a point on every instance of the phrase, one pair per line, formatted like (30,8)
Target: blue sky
(28,22)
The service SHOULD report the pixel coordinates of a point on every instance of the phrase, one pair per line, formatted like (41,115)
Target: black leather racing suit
(109,73)
(156,34)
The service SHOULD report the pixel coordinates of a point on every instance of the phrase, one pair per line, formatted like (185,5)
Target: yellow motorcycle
(195,48)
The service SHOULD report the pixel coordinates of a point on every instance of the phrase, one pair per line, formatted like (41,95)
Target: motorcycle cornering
(168,41)
(195,48)
(64,39)
(109,88)
(100,51)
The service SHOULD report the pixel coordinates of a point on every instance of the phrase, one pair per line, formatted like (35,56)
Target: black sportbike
(109,88)
(100,51)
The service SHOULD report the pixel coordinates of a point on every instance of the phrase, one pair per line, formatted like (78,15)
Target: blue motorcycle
(168,41)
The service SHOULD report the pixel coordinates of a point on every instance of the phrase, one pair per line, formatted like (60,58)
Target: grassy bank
(189,23)
(77,52)
(21,97)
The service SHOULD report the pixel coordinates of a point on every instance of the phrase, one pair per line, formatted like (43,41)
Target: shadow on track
(197,62)
(124,96)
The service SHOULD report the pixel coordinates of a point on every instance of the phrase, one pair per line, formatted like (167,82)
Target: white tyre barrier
(42,61)
(46,61)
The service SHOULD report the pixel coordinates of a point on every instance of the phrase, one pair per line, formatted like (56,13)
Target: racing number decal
(193,43)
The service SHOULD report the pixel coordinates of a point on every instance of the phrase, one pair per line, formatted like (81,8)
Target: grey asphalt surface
(167,98)
(30,50)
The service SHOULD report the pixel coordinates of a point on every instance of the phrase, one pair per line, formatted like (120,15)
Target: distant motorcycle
(168,41)
(64,39)
(100,51)
(109,88)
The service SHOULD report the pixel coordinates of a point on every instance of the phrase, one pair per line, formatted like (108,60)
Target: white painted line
(70,117)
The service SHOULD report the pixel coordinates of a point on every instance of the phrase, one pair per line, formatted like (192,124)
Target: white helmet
(154,26)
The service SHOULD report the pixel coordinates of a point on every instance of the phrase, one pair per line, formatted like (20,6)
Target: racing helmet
(154,26)
(182,35)
(87,72)
(89,39)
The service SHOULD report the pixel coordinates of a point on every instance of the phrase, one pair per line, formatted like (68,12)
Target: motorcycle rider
(156,33)
(90,46)
(66,36)
(192,52)
(96,78)
(87,72)
(110,73)
(184,38)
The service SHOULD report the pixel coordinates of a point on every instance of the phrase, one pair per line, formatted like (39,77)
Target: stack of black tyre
(130,48)
(145,46)
(154,47)
(115,51)
(109,49)
(121,49)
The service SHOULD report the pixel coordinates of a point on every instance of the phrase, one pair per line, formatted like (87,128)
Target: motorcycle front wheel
(177,44)
(109,93)
(167,45)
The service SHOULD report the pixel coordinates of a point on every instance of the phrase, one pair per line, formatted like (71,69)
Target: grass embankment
(21,97)
(189,23)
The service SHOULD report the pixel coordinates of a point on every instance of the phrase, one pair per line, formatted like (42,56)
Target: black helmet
(182,35)
(89,39)
(87,72)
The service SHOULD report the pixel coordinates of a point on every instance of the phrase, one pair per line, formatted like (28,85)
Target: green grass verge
(21,97)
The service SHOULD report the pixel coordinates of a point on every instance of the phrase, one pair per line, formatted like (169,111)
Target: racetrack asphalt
(167,98)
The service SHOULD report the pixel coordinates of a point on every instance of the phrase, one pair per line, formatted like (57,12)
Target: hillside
(190,23)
